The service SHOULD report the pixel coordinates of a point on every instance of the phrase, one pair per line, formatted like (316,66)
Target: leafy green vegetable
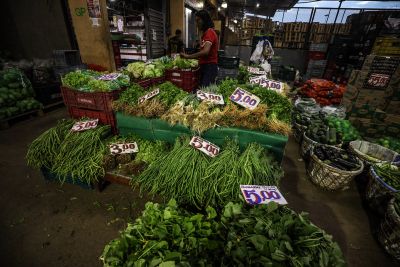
(265,235)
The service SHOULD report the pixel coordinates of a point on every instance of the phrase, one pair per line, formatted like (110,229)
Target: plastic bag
(257,56)
(339,112)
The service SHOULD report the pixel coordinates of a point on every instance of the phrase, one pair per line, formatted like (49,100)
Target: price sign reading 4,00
(84,125)
(204,146)
(214,98)
(123,148)
(244,98)
(259,194)
(148,96)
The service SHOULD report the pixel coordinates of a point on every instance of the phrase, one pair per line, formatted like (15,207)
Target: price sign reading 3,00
(84,125)
(214,98)
(259,194)
(204,146)
(123,148)
(244,98)
(148,96)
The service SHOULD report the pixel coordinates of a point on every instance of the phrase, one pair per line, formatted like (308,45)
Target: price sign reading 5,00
(244,98)
(123,148)
(204,146)
(84,125)
(259,194)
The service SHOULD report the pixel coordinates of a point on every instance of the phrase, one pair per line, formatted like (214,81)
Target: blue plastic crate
(50,176)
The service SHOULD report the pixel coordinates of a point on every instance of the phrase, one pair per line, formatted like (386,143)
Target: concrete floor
(44,224)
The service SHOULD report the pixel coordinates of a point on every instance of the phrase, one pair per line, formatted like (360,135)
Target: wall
(177,11)
(94,41)
(33,29)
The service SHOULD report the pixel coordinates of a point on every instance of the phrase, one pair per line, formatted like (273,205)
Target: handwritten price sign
(378,80)
(124,148)
(264,82)
(256,71)
(214,98)
(259,194)
(148,96)
(204,146)
(244,98)
(109,77)
(84,125)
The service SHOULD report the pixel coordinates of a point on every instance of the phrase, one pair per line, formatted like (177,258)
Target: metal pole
(297,13)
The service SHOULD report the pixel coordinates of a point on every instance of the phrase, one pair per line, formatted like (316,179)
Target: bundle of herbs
(389,173)
(204,185)
(44,149)
(264,235)
(81,154)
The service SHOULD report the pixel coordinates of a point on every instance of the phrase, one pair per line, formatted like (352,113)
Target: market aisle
(340,214)
(43,224)
(48,225)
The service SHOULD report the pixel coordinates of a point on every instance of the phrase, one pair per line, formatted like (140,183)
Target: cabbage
(136,69)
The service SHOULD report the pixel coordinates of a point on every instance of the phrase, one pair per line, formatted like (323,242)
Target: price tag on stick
(84,125)
(214,98)
(148,96)
(244,98)
(109,77)
(123,148)
(260,194)
(204,146)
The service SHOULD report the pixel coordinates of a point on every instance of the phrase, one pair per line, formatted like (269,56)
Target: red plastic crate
(188,80)
(145,83)
(158,80)
(105,117)
(95,101)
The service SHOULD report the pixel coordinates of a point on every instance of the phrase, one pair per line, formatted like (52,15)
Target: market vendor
(208,54)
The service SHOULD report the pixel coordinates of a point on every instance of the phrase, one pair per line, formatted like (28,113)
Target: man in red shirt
(208,55)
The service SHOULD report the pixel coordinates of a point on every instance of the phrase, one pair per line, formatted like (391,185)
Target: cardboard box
(393,108)
(353,77)
(351,92)
(374,99)
(347,104)
(362,112)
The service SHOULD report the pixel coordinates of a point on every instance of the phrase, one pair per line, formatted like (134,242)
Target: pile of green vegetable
(389,173)
(182,63)
(88,81)
(337,158)
(78,155)
(265,235)
(16,94)
(320,132)
(208,181)
(391,143)
(344,127)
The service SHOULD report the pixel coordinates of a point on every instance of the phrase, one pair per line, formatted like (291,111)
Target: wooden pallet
(5,123)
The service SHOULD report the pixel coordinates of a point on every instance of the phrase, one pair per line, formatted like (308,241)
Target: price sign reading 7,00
(84,125)
(244,98)
(123,148)
(204,146)
(259,194)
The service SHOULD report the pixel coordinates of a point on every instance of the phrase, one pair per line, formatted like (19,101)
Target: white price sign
(204,146)
(260,194)
(214,98)
(109,77)
(257,79)
(264,82)
(124,148)
(245,99)
(148,96)
(84,125)
(256,71)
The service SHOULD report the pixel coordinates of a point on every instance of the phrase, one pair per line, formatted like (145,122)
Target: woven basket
(389,231)
(298,131)
(308,144)
(329,177)
(378,192)
(372,153)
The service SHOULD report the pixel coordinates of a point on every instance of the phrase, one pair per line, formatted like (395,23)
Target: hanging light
(219,9)
(224,4)
(235,21)
(258,5)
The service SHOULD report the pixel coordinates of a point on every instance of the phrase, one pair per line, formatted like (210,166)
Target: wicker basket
(329,177)
(378,192)
(308,144)
(298,131)
(372,153)
(389,231)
